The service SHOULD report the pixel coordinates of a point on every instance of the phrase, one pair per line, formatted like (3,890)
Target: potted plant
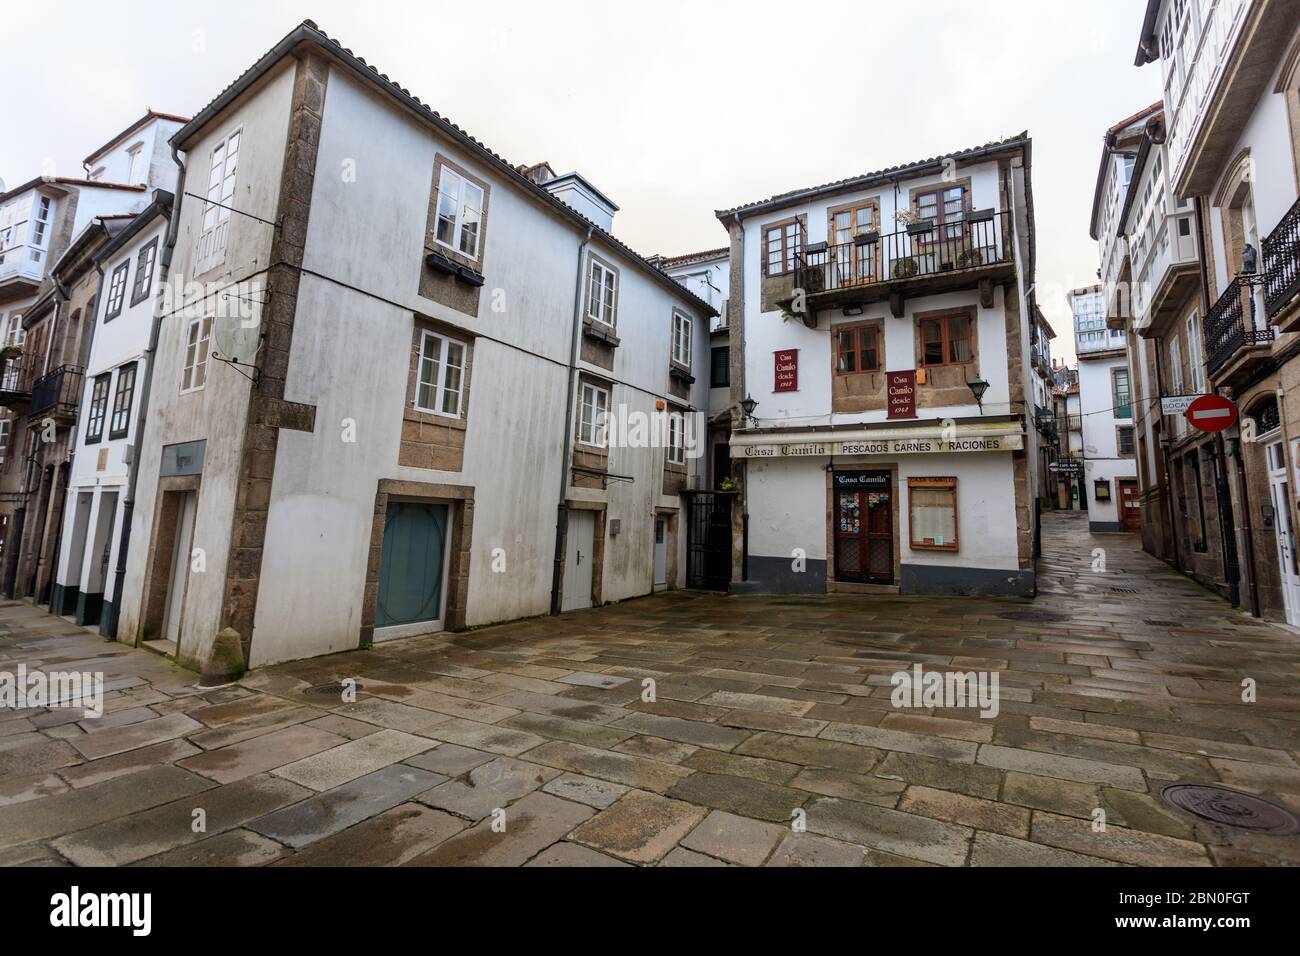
(10,352)
(728,484)
(904,268)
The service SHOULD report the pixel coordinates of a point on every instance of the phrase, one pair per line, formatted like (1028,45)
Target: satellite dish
(237,335)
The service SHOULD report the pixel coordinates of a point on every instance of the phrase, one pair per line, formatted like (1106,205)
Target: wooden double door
(863,519)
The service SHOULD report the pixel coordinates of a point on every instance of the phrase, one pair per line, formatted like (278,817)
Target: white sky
(673,109)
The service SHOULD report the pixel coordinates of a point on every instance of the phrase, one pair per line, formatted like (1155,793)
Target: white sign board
(884,446)
(1176,404)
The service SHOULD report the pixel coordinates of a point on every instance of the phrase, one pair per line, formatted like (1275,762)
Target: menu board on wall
(787,371)
(900,392)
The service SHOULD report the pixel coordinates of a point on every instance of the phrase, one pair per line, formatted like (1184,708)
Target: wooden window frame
(97,408)
(439,388)
(599,436)
(1114,392)
(929,483)
(941,223)
(1119,445)
(200,330)
(144,271)
(786,242)
(464,184)
(682,320)
(123,399)
(116,291)
(609,281)
(676,433)
(945,318)
(859,328)
(717,380)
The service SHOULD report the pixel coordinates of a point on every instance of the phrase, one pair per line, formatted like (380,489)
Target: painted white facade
(357,302)
(788,496)
(1101,425)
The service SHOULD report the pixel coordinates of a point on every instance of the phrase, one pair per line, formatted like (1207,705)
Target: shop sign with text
(900,392)
(787,371)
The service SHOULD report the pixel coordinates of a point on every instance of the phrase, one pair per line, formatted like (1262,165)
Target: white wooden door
(1280,497)
(578,561)
(661,553)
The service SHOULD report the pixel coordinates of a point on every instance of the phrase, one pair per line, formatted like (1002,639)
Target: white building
(440,343)
(881,330)
(108,429)
(1105,408)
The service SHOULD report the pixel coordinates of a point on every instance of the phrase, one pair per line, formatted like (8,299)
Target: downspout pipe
(108,626)
(562,507)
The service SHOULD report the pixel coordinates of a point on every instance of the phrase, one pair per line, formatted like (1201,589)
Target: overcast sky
(673,109)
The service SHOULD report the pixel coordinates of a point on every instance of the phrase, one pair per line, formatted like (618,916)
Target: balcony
(56,394)
(924,259)
(1282,271)
(1169,273)
(21,270)
(1232,335)
(15,384)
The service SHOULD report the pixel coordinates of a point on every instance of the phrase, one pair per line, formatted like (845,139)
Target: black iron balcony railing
(1230,324)
(57,392)
(979,239)
(14,379)
(1282,262)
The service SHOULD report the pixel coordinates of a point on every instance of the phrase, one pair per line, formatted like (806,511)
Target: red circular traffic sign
(1212,413)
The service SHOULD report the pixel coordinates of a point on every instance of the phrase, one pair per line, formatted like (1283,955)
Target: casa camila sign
(1212,413)
(787,371)
(900,390)
(881,446)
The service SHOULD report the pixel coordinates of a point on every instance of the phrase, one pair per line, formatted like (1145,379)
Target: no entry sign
(1212,413)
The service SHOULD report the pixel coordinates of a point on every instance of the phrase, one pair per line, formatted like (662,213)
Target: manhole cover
(1034,617)
(332,689)
(1242,811)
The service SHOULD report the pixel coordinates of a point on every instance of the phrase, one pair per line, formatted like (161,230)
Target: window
(195,373)
(1124,440)
(144,264)
(602,299)
(945,340)
(41,222)
(944,207)
(781,245)
(14,331)
(676,439)
(720,368)
(932,513)
(98,408)
(1176,382)
(442,372)
(137,174)
(220,199)
(125,392)
(857,350)
(1121,399)
(591,417)
(682,339)
(116,291)
(460,213)
(1195,362)
(6,425)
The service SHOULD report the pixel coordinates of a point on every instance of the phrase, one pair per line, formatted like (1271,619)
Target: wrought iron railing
(1230,324)
(1282,262)
(58,391)
(978,239)
(13,377)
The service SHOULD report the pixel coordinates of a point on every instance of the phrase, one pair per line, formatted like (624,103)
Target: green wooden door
(410,566)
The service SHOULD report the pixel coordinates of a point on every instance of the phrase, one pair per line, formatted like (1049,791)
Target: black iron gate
(708,541)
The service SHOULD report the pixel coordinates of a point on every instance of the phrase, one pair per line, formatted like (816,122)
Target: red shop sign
(900,392)
(787,371)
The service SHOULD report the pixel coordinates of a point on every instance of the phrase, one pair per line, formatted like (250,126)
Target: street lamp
(978,388)
(748,405)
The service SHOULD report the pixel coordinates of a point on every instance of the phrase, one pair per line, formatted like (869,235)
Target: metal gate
(708,541)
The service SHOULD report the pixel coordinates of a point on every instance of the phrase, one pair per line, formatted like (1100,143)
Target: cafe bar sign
(787,371)
(882,446)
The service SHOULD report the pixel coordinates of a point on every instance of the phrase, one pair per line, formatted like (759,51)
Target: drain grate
(1232,808)
(332,689)
(1152,622)
(1123,590)
(1034,617)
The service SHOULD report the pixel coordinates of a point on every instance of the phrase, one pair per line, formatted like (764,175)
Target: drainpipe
(562,507)
(108,625)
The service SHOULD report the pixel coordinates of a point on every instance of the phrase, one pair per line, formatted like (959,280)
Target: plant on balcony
(970,258)
(728,484)
(904,268)
(10,352)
